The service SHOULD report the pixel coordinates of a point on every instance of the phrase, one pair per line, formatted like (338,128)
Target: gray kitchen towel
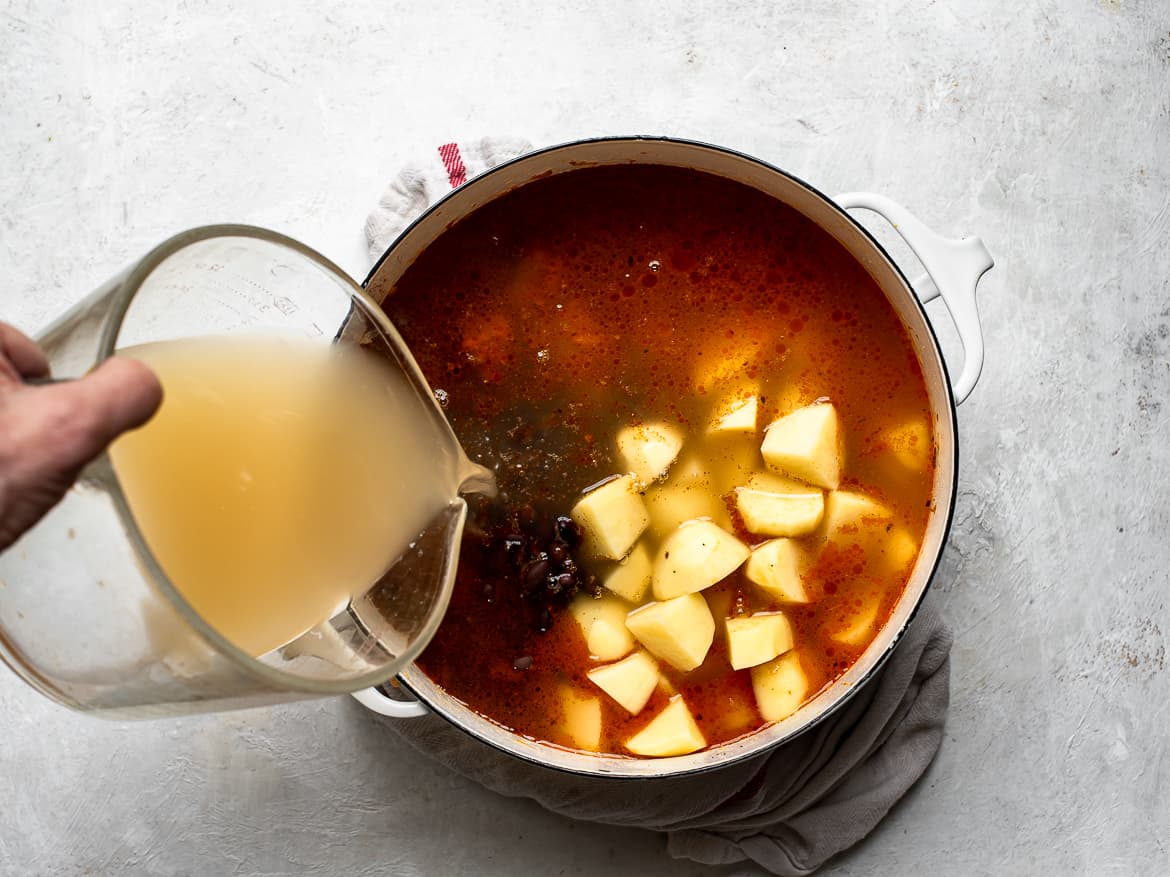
(789,810)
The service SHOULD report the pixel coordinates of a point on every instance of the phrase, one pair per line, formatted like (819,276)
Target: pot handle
(373,699)
(953,269)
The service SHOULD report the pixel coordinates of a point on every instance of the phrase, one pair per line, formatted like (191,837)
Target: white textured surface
(1044,127)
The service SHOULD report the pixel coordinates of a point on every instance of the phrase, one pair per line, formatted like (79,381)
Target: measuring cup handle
(374,700)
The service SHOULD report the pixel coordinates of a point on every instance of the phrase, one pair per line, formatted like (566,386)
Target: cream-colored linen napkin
(789,810)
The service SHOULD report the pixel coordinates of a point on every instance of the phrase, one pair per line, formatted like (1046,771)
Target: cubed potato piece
(695,556)
(672,732)
(671,504)
(773,483)
(804,445)
(850,509)
(630,681)
(736,414)
(690,469)
(860,627)
(582,719)
(910,444)
(738,714)
(899,549)
(758,638)
(648,450)
(780,686)
(612,517)
(776,567)
(779,514)
(603,624)
(630,578)
(677,631)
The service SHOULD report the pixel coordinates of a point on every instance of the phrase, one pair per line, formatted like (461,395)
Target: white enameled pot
(953,269)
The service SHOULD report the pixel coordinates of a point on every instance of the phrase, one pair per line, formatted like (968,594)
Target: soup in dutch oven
(713,446)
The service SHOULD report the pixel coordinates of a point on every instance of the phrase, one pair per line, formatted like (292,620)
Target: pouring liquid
(281,478)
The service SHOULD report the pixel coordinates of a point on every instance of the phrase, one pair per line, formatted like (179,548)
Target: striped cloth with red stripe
(453,162)
(421,183)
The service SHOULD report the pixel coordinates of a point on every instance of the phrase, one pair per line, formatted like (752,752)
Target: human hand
(48,433)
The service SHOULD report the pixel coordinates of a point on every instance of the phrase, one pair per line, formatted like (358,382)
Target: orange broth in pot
(579,304)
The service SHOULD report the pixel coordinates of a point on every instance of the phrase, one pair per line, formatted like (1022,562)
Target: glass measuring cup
(87,615)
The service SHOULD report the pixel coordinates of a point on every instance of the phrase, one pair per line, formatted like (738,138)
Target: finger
(118,395)
(48,434)
(22,352)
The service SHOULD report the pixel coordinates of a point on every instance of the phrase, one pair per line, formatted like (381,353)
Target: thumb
(118,395)
(49,433)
